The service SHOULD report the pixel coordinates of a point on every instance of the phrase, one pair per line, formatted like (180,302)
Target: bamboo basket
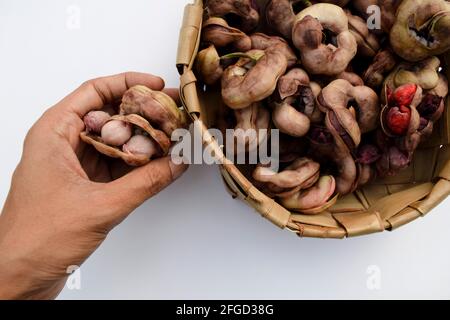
(382,205)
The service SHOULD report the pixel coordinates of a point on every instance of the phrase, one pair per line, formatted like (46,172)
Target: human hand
(65,197)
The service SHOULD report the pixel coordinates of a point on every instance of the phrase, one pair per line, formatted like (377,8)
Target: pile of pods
(352,104)
(136,131)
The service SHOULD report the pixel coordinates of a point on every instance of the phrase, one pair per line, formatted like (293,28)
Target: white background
(192,241)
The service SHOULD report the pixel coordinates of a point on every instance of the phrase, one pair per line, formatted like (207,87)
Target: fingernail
(177,169)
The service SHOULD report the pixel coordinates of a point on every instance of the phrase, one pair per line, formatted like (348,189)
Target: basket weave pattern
(382,205)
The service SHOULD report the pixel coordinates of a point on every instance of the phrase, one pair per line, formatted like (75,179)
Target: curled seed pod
(328,144)
(340,3)
(430,110)
(116,133)
(340,95)
(292,115)
(421,29)
(401,122)
(216,31)
(290,121)
(159,137)
(368,44)
(402,93)
(208,65)
(423,73)
(261,41)
(441,89)
(307,35)
(291,148)
(301,174)
(95,120)
(432,107)
(314,200)
(384,62)
(280,15)
(141,145)
(317,116)
(368,154)
(346,178)
(245,11)
(392,159)
(252,124)
(321,141)
(399,116)
(351,77)
(366,174)
(155,106)
(347,75)
(251,80)
(292,82)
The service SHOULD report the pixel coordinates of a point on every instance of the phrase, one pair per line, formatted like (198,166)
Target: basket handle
(189,38)
(188,44)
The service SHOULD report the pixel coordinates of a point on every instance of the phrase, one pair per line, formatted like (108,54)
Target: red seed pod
(400,116)
(403,96)
(398,119)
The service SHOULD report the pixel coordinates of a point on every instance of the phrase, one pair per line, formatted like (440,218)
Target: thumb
(142,183)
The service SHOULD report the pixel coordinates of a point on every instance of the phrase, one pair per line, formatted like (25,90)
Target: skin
(65,198)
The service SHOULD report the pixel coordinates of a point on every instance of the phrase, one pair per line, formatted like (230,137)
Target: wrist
(19,281)
(19,276)
(14,279)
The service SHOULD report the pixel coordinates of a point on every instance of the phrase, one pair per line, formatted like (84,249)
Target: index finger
(96,93)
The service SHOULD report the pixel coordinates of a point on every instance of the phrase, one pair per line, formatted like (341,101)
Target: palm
(99,168)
